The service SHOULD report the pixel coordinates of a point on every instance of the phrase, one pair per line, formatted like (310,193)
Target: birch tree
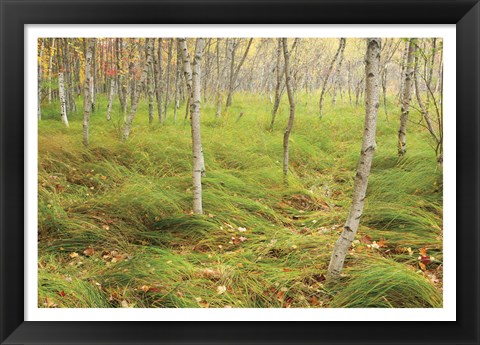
(39,76)
(279,75)
(372,84)
(291,100)
(406,98)
(234,71)
(167,77)
(136,95)
(159,80)
(150,87)
(50,70)
(337,82)
(63,99)
(218,97)
(327,77)
(192,77)
(87,106)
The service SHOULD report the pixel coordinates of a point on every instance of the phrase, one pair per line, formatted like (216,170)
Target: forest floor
(116,229)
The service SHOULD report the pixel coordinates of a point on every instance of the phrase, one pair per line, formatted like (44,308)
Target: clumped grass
(383,283)
(116,229)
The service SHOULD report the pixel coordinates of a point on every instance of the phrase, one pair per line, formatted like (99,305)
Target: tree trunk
(159,80)
(234,73)
(136,95)
(291,100)
(218,112)
(325,81)
(167,77)
(87,106)
(193,84)
(345,240)
(93,79)
(177,82)
(406,97)
(110,98)
(150,88)
(337,83)
(40,75)
(384,88)
(50,71)
(402,72)
(63,99)
(280,72)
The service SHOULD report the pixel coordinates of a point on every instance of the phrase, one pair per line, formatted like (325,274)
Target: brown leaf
(89,251)
(287,270)
(423,251)
(422,266)
(366,239)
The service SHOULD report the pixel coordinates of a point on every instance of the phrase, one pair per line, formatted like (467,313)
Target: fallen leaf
(145,288)
(49,303)
(61,293)
(106,227)
(287,270)
(89,251)
(73,255)
(221,289)
(422,266)
(124,304)
(366,239)
(423,251)
(241,229)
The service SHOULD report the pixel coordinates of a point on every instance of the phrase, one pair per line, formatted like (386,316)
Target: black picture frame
(15,14)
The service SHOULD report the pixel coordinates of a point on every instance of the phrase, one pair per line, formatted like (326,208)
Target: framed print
(181,166)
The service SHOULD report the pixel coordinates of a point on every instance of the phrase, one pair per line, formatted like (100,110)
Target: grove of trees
(177,77)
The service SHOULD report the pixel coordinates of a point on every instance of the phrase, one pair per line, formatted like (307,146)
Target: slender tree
(50,70)
(87,106)
(63,99)
(327,77)
(159,79)
(372,84)
(218,112)
(279,74)
(150,86)
(291,100)
(167,77)
(40,76)
(337,84)
(136,95)
(406,98)
(192,77)
(235,71)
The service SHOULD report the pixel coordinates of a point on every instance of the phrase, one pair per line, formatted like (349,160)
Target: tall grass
(115,227)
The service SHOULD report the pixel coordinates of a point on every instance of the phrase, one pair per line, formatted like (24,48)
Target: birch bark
(406,98)
(372,84)
(87,106)
(136,95)
(63,99)
(192,76)
(291,100)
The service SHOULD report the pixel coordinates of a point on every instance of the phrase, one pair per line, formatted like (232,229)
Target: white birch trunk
(87,105)
(40,70)
(50,64)
(63,100)
(110,99)
(192,76)
(291,100)
(372,85)
(325,81)
(337,82)
(406,97)
(136,95)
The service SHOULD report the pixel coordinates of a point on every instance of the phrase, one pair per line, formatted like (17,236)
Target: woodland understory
(134,213)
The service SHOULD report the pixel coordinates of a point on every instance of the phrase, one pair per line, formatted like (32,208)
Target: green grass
(128,204)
